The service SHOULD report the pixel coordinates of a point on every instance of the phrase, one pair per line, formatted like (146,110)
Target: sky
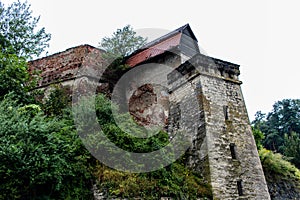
(262,36)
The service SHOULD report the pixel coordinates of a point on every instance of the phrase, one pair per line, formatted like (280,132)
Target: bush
(258,136)
(275,164)
(57,101)
(174,181)
(40,157)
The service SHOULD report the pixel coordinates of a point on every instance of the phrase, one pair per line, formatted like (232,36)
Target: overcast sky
(261,36)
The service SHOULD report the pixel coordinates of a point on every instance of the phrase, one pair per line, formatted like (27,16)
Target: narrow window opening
(225,109)
(177,116)
(221,72)
(233,150)
(240,187)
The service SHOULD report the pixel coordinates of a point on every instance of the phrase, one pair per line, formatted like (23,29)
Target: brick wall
(64,66)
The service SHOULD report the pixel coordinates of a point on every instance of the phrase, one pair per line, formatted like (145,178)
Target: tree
(19,40)
(292,148)
(259,120)
(281,129)
(122,43)
(283,119)
(18,31)
(14,77)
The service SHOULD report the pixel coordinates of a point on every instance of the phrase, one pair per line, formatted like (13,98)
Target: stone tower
(223,147)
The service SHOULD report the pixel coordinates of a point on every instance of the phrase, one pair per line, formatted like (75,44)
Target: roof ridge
(165,37)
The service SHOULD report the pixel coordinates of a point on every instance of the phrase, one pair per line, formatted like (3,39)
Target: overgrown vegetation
(41,157)
(15,78)
(276,132)
(57,101)
(175,180)
(276,165)
(118,46)
(279,130)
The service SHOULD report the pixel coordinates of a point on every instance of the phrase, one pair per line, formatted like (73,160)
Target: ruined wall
(65,65)
(143,90)
(223,139)
(81,63)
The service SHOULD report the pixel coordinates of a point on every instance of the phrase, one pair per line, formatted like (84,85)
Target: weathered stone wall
(187,114)
(223,139)
(142,90)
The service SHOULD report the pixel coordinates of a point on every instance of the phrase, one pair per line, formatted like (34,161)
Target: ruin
(223,147)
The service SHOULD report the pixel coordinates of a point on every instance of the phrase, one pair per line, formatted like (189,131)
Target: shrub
(40,157)
(274,163)
(174,181)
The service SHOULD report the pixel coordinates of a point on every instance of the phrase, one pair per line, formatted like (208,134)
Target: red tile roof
(154,50)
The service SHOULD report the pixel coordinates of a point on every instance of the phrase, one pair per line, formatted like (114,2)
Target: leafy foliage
(18,31)
(58,100)
(291,148)
(14,77)
(114,135)
(40,157)
(275,164)
(122,139)
(114,71)
(281,128)
(258,136)
(174,181)
(19,40)
(123,42)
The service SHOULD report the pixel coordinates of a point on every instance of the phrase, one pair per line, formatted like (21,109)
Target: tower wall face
(223,147)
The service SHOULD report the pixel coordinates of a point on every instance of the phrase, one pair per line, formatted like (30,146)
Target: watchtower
(223,148)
